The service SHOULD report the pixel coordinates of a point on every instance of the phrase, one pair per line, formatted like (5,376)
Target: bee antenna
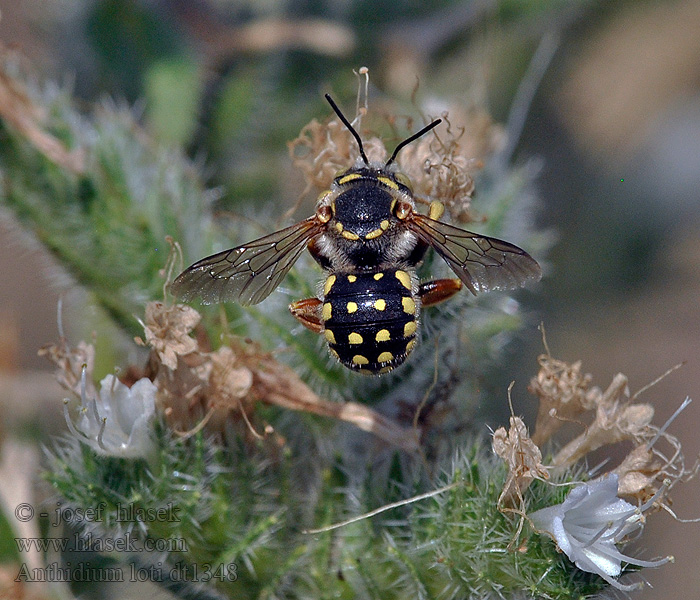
(410,139)
(351,129)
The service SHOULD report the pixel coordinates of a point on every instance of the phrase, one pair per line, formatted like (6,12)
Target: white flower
(118,422)
(588,525)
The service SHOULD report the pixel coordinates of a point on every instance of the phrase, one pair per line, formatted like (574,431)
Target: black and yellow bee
(369,239)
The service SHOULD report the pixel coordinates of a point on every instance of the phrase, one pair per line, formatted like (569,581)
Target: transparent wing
(249,273)
(482,263)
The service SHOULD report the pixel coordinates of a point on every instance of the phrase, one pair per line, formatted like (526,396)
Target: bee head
(368,195)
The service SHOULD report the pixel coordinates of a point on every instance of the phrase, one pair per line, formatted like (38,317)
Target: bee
(368,237)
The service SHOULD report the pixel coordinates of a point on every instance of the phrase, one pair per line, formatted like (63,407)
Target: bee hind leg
(308,313)
(438,290)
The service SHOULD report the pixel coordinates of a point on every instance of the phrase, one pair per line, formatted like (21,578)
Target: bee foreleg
(308,313)
(438,290)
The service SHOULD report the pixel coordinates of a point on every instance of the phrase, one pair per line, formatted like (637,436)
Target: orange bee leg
(308,313)
(438,290)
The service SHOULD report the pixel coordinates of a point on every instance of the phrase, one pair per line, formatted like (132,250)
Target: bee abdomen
(370,319)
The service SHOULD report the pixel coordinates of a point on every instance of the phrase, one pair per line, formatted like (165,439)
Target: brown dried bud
(441,166)
(70,362)
(323,149)
(167,330)
(638,474)
(563,393)
(523,458)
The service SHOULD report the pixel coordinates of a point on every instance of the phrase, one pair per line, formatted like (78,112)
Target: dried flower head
(646,469)
(167,330)
(323,149)
(523,458)
(564,394)
(229,381)
(439,170)
(590,523)
(616,420)
(72,363)
(228,384)
(638,473)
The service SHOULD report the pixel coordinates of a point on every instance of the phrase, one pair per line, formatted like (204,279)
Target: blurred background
(602,98)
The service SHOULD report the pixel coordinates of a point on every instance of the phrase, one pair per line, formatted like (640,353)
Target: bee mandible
(369,239)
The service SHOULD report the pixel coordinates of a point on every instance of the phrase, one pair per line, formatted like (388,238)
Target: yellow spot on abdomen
(352,307)
(327,311)
(404,278)
(409,328)
(385,357)
(383,335)
(409,306)
(378,276)
(410,346)
(358,359)
(380,304)
(330,338)
(355,338)
(329,284)
(352,278)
